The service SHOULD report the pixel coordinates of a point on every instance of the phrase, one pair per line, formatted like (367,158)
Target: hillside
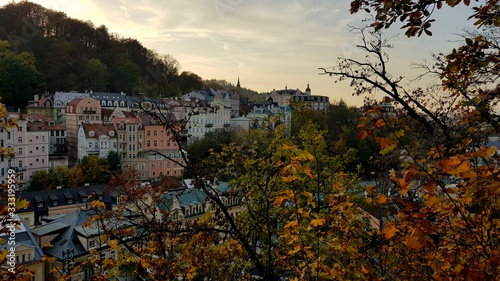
(48,51)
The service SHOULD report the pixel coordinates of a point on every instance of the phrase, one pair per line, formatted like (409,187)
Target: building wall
(85,110)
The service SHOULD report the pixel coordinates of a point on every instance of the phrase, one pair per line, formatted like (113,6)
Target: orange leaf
(411,242)
(383,142)
(380,123)
(382,199)
(389,230)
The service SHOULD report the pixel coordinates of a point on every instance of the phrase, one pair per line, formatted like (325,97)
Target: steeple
(238,86)
(308,90)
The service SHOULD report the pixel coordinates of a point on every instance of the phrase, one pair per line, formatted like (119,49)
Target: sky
(266,44)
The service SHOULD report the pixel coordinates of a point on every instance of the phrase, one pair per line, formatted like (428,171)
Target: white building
(96,139)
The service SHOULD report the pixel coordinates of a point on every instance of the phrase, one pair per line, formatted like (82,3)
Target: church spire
(238,86)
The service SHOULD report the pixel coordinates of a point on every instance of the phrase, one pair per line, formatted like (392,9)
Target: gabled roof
(66,238)
(99,130)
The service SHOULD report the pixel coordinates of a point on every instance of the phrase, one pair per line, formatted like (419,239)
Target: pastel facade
(96,139)
(31,144)
(28,253)
(78,111)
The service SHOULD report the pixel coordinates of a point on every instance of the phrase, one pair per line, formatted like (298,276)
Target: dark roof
(69,228)
(65,196)
(24,237)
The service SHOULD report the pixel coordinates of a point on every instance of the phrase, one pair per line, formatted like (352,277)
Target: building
(159,150)
(6,142)
(288,97)
(113,100)
(72,241)
(78,111)
(96,139)
(269,114)
(41,106)
(190,203)
(61,99)
(282,97)
(31,144)
(27,251)
(59,202)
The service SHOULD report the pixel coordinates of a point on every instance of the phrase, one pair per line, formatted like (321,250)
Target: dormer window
(111,133)
(91,133)
(83,196)
(54,200)
(69,197)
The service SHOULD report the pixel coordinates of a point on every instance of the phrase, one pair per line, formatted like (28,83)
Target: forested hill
(51,52)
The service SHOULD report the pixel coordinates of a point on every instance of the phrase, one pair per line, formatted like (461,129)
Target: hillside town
(61,129)
(117,163)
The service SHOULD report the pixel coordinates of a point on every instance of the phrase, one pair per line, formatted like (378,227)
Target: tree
(19,78)
(51,179)
(95,76)
(95,170)
(189,81)
(114,161)
(444,190)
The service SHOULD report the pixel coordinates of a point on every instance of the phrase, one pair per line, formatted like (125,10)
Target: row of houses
(55,224)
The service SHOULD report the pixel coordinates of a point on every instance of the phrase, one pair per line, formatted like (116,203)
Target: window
(91,244)
(148,133)
(19,151)
(43,149)
(20,163)
(155,143)
(155,133)
(112,254)
(148,143)
(20,128)
(20,139)
(8,135)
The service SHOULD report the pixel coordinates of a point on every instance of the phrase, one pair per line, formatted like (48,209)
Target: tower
(308,90)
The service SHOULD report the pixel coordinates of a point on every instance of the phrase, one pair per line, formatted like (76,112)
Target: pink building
(78,111)
(31,144)
(157,145)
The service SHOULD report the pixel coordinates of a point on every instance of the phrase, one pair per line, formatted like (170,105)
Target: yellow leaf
(382,199)
(399,133)
(291,224)
(98,204)
(3,255)
(389,230)
(22,204)
(317,222)
(113,244)
(388,149)
(295,249)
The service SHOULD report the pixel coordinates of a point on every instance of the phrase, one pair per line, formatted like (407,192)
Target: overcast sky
(268,44)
